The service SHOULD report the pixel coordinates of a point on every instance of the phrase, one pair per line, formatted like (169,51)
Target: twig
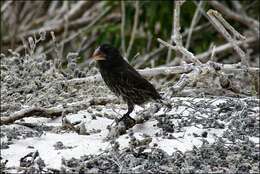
(194,21)
(196,29)
(181,49)
(176,37)
(33,111)
(140,62)
(204,56)
(123,27)
(84,29)
(86,43)
(65,33)
(83,22)
(57,61)
(254,2)
(202,11)
(27,14)
(228,26)
(148,72)
(197,71)
(151,72)
(239,9)
(213,53)
(93,22)
(136,18)
(78,9)
(169,54)
(57,28)
(185,80)
(154,54)
(51,112)
(52,8)
(246,20)
(62,11)
(5,5)
(216,19)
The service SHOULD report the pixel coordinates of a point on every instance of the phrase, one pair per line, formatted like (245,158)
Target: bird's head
(107,54)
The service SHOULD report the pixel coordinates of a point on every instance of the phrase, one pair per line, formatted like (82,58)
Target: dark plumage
(122,79)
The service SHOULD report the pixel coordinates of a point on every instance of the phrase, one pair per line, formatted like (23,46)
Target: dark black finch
(122,79)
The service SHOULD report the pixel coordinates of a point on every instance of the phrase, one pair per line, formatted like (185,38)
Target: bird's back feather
(126,82)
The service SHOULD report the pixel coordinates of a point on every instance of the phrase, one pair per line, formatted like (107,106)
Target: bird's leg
(127,120)
(130,110)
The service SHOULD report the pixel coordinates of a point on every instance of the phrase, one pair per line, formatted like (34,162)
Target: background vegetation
(21,19)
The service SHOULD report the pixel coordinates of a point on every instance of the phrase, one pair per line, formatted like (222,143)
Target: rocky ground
(197,135)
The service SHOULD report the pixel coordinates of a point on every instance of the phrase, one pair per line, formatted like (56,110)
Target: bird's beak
(98,55)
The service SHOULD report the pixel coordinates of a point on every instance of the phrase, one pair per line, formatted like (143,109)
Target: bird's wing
(130,77)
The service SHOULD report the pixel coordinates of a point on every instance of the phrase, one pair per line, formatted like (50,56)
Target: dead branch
(204,56)
(29,112)
(78,9)
(194,21)
(239,9)
(176,36)
(169,54)
(151,72)
(197,71)
(185,80)
(5,5)
(58,26)
(136,19)
(220,23)
(75,13)
(148,72)
(154,54)
(246,20)
(140,62)
(52,112)
(182,50)
(83,29)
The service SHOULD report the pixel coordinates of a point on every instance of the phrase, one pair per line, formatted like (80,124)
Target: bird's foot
(128,121)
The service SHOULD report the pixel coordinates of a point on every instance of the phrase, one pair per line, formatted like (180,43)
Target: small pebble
(204,134)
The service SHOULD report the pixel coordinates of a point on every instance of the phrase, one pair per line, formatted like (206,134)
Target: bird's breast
(111,80)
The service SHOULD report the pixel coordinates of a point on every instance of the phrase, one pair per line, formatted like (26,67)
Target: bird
(123,80)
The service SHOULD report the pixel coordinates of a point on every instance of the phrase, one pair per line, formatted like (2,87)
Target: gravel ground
(214,135)
(198,135)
